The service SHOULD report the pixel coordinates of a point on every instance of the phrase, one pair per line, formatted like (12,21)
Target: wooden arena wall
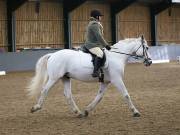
(40,30)
(45,29)
(134,21)
(80,18)
(168,26)
(3,25)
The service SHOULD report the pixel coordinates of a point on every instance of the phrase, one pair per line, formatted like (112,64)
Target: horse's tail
(40,78)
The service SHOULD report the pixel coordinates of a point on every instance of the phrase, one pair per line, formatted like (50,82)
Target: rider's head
(96,14)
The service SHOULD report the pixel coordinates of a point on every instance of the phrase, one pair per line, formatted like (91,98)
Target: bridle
(134,54)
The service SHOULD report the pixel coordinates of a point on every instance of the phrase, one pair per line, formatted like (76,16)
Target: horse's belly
(85,74)
(81,73)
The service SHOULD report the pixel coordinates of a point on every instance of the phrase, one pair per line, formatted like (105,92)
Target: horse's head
(141,51)
(134,47)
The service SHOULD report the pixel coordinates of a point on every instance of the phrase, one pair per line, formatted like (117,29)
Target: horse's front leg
(69,97)
(121,88)
(97,99)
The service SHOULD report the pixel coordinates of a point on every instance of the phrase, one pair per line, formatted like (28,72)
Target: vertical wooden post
(116,7)
(67,8)
(12,5)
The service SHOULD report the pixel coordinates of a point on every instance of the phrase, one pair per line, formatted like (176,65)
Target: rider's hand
(108,47)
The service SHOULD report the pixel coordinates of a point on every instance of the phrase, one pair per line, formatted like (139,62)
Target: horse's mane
(125,41)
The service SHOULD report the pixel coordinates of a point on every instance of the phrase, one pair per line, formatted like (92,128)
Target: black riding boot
(97,65)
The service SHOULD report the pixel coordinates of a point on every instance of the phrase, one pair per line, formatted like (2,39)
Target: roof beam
(15,4)
(157,8)
(72,4)
(118,6)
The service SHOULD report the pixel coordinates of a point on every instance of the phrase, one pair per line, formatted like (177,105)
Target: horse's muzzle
(147,62)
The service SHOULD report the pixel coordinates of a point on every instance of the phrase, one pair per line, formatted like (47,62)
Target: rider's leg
(97,63)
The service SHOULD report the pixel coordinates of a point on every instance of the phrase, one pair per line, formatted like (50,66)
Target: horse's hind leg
(43,95)
(68,95)
(97,99)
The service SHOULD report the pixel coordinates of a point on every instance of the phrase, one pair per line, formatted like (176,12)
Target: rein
(132,55)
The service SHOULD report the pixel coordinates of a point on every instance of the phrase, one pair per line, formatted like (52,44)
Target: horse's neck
(126,48)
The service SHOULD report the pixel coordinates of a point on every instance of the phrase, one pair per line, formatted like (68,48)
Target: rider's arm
(97,32)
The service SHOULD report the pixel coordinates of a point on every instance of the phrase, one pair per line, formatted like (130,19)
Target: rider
(95,40)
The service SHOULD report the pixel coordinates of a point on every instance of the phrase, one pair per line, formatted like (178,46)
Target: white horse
(66,64)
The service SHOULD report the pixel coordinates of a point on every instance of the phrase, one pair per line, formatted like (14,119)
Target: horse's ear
(142,37)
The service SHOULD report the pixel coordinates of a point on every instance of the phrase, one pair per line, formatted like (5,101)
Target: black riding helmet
(96,13)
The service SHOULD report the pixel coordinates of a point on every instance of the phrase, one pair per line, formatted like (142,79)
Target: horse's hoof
(33,109)
(86,113)
(136,115)
(83,115)
(80,115)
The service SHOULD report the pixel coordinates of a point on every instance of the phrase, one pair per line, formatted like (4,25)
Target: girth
(102,62)
(85,50)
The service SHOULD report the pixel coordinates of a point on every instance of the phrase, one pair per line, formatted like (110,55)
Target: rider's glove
(108,47)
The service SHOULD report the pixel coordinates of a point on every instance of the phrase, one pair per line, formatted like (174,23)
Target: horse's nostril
(147,62)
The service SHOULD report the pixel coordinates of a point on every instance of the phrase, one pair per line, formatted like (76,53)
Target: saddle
(102,63)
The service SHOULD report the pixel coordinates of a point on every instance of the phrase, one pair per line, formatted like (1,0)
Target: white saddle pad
(86,60)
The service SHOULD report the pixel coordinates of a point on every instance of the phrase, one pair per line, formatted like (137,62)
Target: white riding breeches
(97,51)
